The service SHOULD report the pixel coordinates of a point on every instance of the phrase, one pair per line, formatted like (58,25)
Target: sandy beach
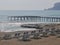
(52,40)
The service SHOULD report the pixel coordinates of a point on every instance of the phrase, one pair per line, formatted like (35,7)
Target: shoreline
(56,25)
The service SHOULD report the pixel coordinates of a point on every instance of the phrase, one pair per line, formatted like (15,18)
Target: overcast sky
(26,4)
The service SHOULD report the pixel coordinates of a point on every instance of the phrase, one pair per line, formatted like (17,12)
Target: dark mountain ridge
(55,7)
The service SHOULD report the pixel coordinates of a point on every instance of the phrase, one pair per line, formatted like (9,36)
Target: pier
(33,19)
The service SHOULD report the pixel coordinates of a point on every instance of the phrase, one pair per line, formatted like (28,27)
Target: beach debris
(44,33)
(25,37)
(17,35)
(35,35)
(30,26)
(7,37)
(58,33)
(52,32)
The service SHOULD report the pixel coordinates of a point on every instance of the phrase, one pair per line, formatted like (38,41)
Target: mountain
(56,6)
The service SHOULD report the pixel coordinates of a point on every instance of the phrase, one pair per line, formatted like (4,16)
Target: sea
(5,13)
(15,27)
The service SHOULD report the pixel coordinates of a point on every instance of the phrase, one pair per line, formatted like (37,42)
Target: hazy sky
(26,4)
